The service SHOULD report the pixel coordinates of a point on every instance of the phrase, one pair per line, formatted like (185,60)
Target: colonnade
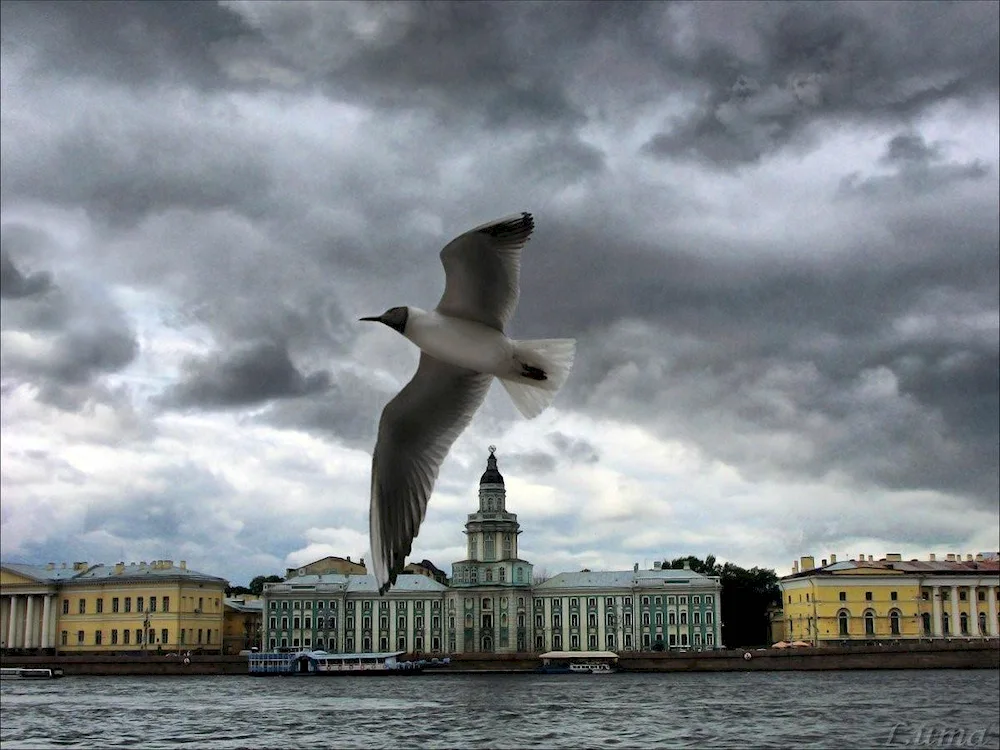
(28,621)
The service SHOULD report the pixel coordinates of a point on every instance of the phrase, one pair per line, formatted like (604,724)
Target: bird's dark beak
(377,319)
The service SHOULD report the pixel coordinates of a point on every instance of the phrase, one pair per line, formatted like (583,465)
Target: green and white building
(491,604)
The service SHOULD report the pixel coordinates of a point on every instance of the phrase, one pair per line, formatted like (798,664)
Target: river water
(910,708)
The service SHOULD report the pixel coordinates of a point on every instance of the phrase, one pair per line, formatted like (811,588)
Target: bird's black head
(394,317)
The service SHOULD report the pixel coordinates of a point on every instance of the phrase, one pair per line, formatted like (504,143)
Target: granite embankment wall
(944,655)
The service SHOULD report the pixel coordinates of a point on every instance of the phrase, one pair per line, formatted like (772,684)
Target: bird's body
(463,347)
(463,343)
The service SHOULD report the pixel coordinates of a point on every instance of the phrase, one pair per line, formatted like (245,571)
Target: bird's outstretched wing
(415,433)
(482,269)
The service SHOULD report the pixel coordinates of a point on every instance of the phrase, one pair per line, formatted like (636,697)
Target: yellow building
(889,599)
(110,609)
(242,620)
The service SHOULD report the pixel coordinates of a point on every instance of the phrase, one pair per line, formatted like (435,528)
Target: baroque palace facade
(492,604)
(90,609)
(889,599)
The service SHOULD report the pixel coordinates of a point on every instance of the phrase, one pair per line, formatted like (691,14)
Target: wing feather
(482,271)
(415,433)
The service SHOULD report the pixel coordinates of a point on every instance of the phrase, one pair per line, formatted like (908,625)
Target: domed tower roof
(491,475)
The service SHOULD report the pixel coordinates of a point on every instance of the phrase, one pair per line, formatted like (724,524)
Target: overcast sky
(771,227)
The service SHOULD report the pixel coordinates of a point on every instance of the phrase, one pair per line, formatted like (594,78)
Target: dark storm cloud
(250,375)
(135,43)
(577,450)
(14,284)
(816,61)
(920,168)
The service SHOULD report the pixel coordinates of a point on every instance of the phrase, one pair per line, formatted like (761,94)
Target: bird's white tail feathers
(554,358)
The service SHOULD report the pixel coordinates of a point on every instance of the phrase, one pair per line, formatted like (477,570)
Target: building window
(64,636)
(807,597)
(697,618)
(609,602)
(709,638)
(926,617)
(557,642)
(684,618)
(128,604)
(114,604)
(592,619)
(295,623)
(628,601)
(843,596)
(869,622)
(126,636)
(962,595)
(166,604)
(963,622)
(100,605)
(507,545)
(843,618)
(138,604)
(982,623)
(708,599)
(709,618)
(418,622)
(946,620)
(98,638)
(574,620)
(645,618)
(164,636)
(83,606)
(488,552)
(659,618)
(645,640)
(65,606)
(684,639)
(152,604)
(893,595)
(592,642)
(79,637)
(592,602)
(981,596)
(114,636)
(645,601)
(894,621)
(574,642)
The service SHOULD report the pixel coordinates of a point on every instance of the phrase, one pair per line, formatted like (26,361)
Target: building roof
(252,606)
(43,573)
(924,567)
(492,475)
(360,583)
(84,573)
(623,579)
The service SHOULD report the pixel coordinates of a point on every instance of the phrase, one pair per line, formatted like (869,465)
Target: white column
(11,623)
(46,641)
(991,617)
(28,617)
(973,612)
(937,625)
(955,623)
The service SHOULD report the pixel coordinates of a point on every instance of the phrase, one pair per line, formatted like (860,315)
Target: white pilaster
(973,613)
(991,610)
(956,628)
(937,624)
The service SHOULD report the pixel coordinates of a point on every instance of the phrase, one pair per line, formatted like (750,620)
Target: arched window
(982,623)
(926,617)
(844,620)
(963,623)
(894,622)
(869,622)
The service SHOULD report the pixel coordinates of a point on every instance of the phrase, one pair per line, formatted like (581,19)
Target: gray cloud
(812,62)
(250,375)
(14,284)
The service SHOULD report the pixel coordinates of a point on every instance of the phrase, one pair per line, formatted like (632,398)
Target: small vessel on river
(579,662)
(322,663)
(30,673)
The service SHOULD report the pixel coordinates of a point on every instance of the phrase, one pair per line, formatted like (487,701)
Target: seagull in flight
(462,348)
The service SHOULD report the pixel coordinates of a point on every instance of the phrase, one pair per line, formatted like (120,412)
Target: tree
(257,584)
(237,591)
(746,595)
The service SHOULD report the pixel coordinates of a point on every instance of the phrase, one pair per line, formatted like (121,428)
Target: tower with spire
(491,534)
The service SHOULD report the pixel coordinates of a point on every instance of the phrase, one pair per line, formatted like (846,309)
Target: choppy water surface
(934,708)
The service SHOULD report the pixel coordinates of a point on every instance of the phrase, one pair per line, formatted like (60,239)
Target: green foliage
(746,595)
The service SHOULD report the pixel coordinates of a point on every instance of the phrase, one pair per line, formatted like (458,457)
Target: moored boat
(578,662)
(30,673)
(322,663)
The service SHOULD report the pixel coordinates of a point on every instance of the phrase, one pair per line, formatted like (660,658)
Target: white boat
(29,673)
(323,663)
(591,668)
